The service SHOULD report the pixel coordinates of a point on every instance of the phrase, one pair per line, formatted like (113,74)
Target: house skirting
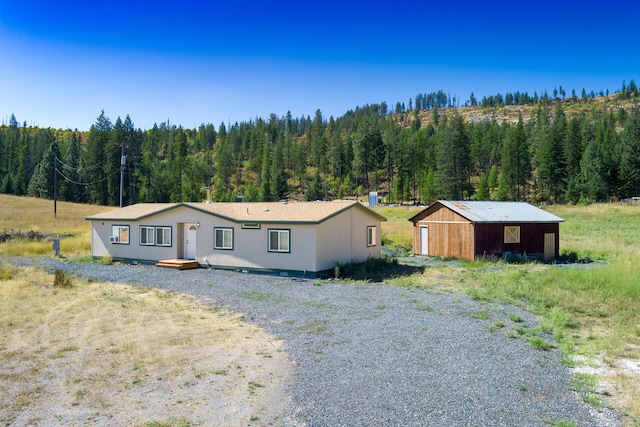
(268,271)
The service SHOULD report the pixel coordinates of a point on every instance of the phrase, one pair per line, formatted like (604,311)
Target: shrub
(61,280)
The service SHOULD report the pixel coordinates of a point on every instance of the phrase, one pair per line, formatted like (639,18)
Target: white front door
(190,230)
(424,240)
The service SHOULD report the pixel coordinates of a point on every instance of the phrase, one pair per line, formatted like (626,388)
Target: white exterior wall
(250,247)
(343,238)
(173,219)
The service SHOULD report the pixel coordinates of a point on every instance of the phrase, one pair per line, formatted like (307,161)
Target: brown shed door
(549,246)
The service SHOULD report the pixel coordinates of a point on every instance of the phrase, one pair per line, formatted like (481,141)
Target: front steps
(178,264)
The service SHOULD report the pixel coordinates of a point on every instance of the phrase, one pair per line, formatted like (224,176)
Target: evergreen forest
(549,148)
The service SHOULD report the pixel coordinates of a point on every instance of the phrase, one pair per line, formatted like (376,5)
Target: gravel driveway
(374,354)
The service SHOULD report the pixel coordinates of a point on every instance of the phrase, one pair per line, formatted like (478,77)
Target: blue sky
(189,62)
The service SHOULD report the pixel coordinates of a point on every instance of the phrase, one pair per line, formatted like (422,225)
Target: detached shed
(474,229)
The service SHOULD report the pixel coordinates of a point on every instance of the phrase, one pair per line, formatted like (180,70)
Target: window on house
(279,240)
(512,234)
(155,236)
(223,238)
(119,234)
(372,236)
(146,235)
(163,236)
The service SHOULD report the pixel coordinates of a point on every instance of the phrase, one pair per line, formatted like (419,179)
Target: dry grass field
(25,214)
(109,354)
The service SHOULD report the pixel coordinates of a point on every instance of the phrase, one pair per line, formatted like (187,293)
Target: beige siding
(134,250)
(250,247)
(343,238)
(100,239)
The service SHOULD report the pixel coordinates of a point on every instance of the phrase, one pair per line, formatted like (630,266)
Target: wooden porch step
(178,264)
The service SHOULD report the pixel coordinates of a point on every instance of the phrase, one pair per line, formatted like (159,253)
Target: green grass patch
(585,385)
(539,343)
(261,296)
(316,328)
(173,422)
(480,314)
(516,318)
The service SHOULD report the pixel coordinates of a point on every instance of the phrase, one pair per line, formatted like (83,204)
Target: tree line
(414,155)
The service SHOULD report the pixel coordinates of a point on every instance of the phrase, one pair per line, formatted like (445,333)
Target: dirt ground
(106,354)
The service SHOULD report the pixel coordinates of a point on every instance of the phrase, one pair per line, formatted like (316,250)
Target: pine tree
(9,156)
(42,181)
(592,173)
(429,188)
(265,193)
(149,165)
(96,171)
(178,152)
(483,188)
(630,157)
(454,159)
(315,189)
(278,174)
(70,189)
(515,164)
(24,164)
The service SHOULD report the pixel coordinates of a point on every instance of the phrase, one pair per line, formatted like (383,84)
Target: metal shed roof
(481,211)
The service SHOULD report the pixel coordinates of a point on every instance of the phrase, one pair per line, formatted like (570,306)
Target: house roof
(492,212)
(262,212)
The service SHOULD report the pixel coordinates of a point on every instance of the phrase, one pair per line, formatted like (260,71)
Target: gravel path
(373,354)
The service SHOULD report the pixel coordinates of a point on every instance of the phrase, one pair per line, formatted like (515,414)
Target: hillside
(510,113)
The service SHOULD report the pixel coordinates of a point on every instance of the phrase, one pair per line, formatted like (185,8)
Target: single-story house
(477,229)
(279,237)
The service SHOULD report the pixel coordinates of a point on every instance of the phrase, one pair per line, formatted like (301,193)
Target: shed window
(279,240)
(223,238)
(119,234)
(372,236)
(512,234)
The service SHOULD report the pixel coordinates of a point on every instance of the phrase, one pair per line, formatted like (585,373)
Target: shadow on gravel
(376,270)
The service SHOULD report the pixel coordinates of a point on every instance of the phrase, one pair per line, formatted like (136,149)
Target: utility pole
(55,184)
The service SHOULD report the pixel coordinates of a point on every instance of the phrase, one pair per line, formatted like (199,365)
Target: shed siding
(445,215)
(490,238)
(449,239)
(450,235)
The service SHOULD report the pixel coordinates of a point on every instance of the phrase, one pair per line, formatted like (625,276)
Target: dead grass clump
(61,280)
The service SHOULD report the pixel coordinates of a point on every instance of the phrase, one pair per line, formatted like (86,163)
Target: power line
(86,183)
(85,168)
